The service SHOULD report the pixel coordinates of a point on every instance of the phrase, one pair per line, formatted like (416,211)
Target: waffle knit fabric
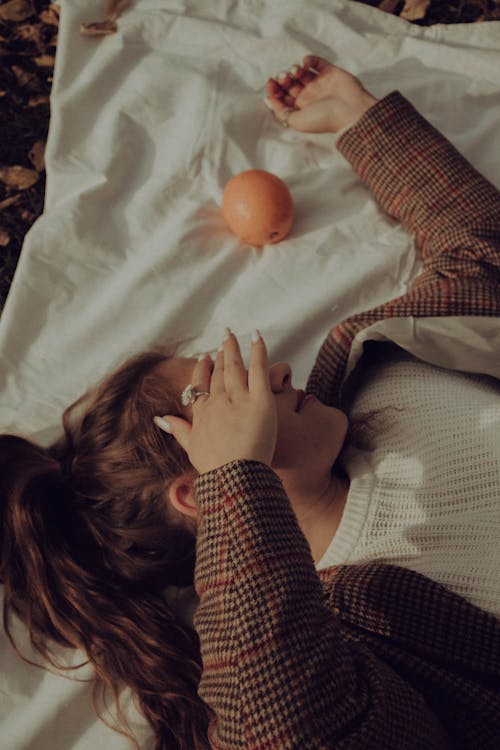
(426,493)
(370,655)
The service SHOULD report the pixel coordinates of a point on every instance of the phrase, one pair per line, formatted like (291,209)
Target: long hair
(88,543)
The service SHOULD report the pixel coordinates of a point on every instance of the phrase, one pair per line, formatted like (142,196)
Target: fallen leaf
(50,16)
(17,10)
(35,101)
(389,6)
(29,31)
(23,76)
(98,28)
(19,177)
(10,201)
(45,61)
(4,238)
(37,155)
(414,9)
(112,9)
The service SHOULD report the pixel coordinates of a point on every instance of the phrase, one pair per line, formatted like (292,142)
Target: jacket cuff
(392,113)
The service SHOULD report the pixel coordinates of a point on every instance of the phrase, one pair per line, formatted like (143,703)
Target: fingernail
(281,76)
(227,334)
(267,102)
(313,70)
(255,336)
(163,424)
(294,70)
(202,356)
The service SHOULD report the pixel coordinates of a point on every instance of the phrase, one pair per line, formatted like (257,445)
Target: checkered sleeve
(277,671)
(420,179)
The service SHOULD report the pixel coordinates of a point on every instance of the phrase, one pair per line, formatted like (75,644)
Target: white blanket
(147,127)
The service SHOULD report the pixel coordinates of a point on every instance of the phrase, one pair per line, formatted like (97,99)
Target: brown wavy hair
(88,543)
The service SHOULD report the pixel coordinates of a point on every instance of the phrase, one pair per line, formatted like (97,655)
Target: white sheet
(147,127)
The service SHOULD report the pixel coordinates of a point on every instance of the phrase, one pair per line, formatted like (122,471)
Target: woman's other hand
(323,97)
(238,419)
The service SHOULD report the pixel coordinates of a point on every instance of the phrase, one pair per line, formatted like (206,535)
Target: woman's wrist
(352,116)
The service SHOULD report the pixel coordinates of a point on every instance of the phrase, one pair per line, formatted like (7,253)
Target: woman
(297,649)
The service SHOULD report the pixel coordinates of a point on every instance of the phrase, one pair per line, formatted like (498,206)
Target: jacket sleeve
(421,180)
(277,671)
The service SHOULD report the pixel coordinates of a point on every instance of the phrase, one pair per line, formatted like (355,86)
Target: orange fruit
(257,207)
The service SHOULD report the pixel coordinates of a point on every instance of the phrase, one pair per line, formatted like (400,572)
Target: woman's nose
(281,377)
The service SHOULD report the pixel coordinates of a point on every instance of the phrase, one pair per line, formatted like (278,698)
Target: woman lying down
(349,594)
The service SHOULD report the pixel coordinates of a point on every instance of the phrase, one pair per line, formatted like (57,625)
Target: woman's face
(310,434)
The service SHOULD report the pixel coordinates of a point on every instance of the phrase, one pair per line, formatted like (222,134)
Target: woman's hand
(324,101)
(238,420)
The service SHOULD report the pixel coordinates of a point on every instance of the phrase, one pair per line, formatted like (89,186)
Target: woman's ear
(181,495)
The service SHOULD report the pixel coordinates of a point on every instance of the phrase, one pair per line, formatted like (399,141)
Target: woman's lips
(306,400)
(302,398)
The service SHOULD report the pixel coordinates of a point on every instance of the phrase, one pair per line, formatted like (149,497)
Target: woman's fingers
(235,374)
(258,368)
(289,82)
(278,103)
(217,381)
(176,426)
(283,90)
(315,64)
(278,94)
(201,373)
(240,424)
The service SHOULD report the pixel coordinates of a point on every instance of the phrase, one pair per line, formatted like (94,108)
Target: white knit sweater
(427,496)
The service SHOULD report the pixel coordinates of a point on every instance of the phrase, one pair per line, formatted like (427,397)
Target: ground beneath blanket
(28,42)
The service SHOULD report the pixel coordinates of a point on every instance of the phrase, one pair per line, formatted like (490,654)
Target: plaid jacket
(362,656)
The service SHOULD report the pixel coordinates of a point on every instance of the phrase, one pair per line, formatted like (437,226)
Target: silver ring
(284,120)
(189,395)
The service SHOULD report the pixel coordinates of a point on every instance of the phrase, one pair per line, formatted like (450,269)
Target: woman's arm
(415,173)
(421,180)
(277,670)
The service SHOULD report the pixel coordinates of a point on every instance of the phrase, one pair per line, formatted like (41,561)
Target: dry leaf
(17,10)
(45,61)
(50,16)
(10,201)
(23,76)
(112,10)
(4,238)
(414,9)
(35,101)
(37,155)
(31,32)
(98,28)
(389,6)
(19,177)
